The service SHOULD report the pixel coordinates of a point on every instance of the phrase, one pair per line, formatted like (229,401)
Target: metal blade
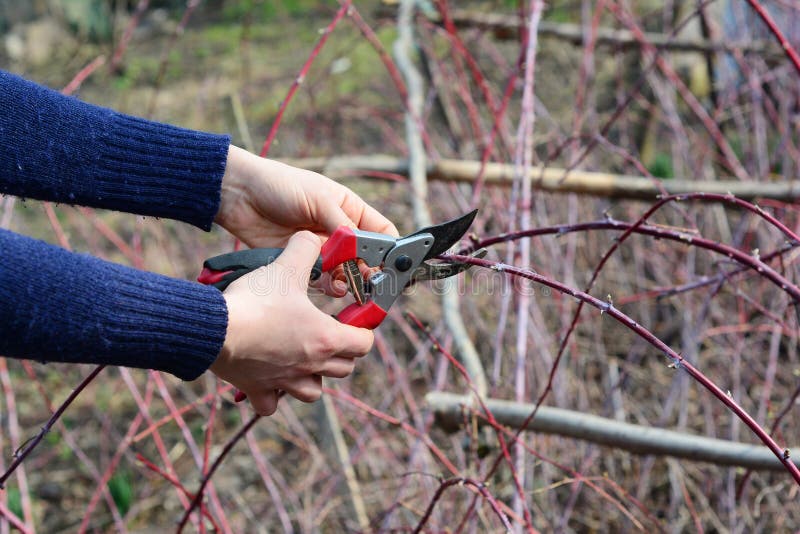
(447,234)
(440,271)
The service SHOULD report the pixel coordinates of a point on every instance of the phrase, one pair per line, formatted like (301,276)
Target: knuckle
(304,368)
(323,346)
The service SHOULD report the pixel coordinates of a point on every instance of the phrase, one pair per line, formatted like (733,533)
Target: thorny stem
(69,438)
(488,416)
(515,437)
(461,481)
(754,263)
(15,521)
(436,451)
(207,478)
(639,227)
(191,5)
(629,97)
(84,73)
(776,31)
(20,455)
(386,59)
(732,252)
(705,281)
(112,465)
(172,479)
(747,260)
(116,60)
(678,361)
(273,131)
(730,158)
(506,453)
(773,428)
(170,417)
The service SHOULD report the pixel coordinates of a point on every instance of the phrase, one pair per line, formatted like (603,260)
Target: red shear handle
(368,315)
(210,277)
(340,247)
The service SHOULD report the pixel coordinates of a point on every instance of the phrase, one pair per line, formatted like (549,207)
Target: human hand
(277,340)
(264,202)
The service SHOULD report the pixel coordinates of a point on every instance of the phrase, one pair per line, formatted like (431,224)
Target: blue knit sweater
(59,306)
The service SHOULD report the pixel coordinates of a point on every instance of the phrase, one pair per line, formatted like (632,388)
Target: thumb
(300,254)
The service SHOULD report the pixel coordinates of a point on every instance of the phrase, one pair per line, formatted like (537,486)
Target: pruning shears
(402,262)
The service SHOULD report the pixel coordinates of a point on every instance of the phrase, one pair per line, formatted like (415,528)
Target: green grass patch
(662,166)
(121,489)
(15,501)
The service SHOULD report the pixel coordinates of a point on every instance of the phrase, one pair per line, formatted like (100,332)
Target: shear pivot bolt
(403,263)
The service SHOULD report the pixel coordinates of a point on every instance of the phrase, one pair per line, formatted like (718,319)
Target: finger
(349,341)
(354,212)
(367,271)
(332,217)
(334,283)
(264,402)
(371,220)
(337,367)
(337,272)
(330,285)
(300,254)
(305,388)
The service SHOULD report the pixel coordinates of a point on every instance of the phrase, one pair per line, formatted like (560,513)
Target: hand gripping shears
(402,261)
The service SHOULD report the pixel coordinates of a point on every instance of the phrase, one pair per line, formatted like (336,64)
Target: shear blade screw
(403,263)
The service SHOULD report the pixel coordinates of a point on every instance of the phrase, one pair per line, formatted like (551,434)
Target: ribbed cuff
(60,149)
(156,169)
(161,323)
(60,306)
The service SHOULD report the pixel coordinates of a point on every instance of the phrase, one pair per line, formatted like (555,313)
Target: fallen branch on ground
(450,408)
(508,27)
(552,179)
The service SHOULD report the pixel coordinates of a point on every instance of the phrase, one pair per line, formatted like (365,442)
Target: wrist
(234,189)
(227,350)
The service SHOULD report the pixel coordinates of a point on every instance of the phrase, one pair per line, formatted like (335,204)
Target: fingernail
(339,286)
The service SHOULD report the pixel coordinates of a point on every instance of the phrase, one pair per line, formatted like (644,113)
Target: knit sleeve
(57,148)
(64,307)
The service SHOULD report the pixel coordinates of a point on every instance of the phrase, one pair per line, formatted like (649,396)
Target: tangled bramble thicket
(637,157)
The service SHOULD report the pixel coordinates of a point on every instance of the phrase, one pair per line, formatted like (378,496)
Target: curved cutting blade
(440,271)
(447,234)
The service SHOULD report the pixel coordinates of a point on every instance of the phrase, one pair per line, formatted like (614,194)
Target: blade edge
(448,233)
